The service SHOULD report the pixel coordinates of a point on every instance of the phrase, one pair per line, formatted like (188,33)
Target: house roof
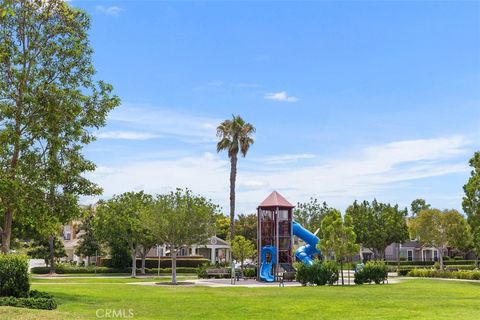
(411,244)
(275,199)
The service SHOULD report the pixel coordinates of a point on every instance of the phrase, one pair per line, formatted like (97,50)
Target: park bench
(218,273)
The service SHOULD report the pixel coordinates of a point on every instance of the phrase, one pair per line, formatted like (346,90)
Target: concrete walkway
(222,283)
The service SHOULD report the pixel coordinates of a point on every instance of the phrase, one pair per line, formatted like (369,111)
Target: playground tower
(274,236)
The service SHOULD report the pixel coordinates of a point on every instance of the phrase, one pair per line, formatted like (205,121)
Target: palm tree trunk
(233,177)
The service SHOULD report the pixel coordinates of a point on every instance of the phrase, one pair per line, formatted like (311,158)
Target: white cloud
(281,96)
(286,158)
(364,174)
(109,10)
(165,122)
(127,135)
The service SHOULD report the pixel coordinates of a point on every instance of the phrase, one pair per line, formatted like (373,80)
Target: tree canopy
(471,200)
(242,249)
(378,225)
(418,205)
(310,214)
(337,238)
(441,229)
(180,219)
(120,217)
(50,106)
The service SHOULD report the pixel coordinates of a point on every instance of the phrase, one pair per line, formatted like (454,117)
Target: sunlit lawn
(411,299)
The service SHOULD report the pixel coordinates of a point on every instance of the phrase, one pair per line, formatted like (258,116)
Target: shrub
(303,274)
(202,271)
(324,272)
(373,271)
(31,303)
(445,258)
(320,273)
(14,279)
(250,272)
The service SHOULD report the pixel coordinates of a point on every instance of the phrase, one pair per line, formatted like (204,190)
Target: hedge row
(68,269)
(164,262)
(432,273)
(35,300)
(430,263)
(31,303)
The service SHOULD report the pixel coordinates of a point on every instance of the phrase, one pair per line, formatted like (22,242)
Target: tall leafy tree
(441,229)
(338,238)
(235,136)
(242,249)
(180,219)
(418,205)
(222,227)
(471,200)
(310,214)
(89,244)
(246,226)
(120,217)
(49,107)
(40,249)
(377,225)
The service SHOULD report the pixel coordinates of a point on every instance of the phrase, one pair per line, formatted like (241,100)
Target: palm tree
(235,136)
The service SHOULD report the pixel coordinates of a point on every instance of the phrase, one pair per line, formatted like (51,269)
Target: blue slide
(266,267)
(306,252)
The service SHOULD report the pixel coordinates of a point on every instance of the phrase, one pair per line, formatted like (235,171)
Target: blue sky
(351,100)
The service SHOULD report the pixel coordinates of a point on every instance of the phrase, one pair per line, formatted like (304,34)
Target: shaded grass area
(412,299)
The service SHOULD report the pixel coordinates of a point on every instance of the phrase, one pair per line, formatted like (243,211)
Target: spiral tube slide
(305,253)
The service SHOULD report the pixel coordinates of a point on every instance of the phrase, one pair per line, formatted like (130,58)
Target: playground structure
(275,231)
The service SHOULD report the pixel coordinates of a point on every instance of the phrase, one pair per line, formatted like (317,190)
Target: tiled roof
(275,199)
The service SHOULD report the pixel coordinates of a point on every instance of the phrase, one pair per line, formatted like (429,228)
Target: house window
(67,232)
(435,255)
(410,255)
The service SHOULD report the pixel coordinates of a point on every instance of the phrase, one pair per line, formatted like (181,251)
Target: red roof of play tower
(275,199)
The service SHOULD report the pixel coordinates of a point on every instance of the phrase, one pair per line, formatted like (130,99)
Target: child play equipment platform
(275,231)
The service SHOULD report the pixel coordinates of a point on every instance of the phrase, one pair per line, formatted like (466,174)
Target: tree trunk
(341,271)
(233,177)
(174,266)
(398,257)
(134,261)
(51,244)
(440,258)
(7,230)
(144,255)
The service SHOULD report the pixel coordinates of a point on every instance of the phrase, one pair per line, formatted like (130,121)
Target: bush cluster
(31,303)
(373,271)
(250,273)
(319,273)
(164,262)
(433,273)
(14,281)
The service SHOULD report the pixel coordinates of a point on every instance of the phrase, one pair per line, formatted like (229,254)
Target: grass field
(411,299)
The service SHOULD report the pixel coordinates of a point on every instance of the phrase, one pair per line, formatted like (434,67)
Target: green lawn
(411,299)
